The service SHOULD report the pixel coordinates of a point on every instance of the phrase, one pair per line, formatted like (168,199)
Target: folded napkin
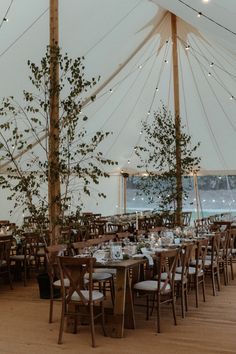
(147,255)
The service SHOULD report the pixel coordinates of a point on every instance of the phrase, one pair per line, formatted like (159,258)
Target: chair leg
(103,319)
(158,314)
(92,325)
(186,297)
(183,301)
(112,290)
(231,268)
(51,305)
(213,282)
(50,310)
(173,309)
(196,290)
(218,277)
(203,289)
(62,323)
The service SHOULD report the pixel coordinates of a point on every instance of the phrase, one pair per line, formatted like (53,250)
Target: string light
(205,1)
(149,113)
(157,89)
(5,19)
(141,132)
(187,47)
(211,65)
(128,161)
(209,74)
(140,66)
(231,97)
(166,61)
(199,14)
(111,90)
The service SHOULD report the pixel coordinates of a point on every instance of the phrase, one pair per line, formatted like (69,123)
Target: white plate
(100,255)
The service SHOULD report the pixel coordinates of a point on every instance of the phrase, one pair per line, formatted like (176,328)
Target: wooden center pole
(179,186)
(54,193)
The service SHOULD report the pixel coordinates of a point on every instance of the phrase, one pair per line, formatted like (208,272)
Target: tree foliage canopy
(158,159)
(24,131)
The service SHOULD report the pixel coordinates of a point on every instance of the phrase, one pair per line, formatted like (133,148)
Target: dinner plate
(100,255)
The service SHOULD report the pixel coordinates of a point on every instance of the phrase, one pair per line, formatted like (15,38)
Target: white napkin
(147,254)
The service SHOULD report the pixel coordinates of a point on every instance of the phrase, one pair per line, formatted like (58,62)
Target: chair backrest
(186,218)
(51,254)
(167,262)
(215,248)
(5,249)
(74,269)
(224,243)
(201,251)
(186,252)
(78,247)
(232,239)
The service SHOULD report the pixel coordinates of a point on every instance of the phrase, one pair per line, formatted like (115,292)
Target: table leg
(119,306)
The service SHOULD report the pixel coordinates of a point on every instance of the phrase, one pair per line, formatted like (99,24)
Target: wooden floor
(209,329)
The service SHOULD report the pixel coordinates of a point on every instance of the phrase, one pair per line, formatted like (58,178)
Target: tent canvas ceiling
(128,44)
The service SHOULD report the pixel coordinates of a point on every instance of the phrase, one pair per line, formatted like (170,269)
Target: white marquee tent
(128,43)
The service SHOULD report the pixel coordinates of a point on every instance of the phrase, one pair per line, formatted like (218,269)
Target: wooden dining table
(123,312)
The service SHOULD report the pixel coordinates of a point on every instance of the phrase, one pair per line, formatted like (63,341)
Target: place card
(116,251)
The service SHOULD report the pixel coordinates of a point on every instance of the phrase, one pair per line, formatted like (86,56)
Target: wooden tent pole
(54,194)
(125,176)
(179,186)
(195,180)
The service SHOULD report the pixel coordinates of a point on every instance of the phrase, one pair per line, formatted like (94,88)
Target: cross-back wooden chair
(104,277)
(51,253)
(26,258)
(79,293)
(197,269)
(182,275)
(212,261)
(161,291)
(5,262)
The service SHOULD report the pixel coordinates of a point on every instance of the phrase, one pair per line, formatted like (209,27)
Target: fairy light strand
(4,19)
(200,14)
(24,32)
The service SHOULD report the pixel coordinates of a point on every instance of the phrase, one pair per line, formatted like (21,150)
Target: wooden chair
(51,253)
(78,293)
(232,250)
(26,258)
(212,261)
(101,276)
(5,262)
(186,218)
(224,254)
(182,275)
(163,291)
(197,269)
